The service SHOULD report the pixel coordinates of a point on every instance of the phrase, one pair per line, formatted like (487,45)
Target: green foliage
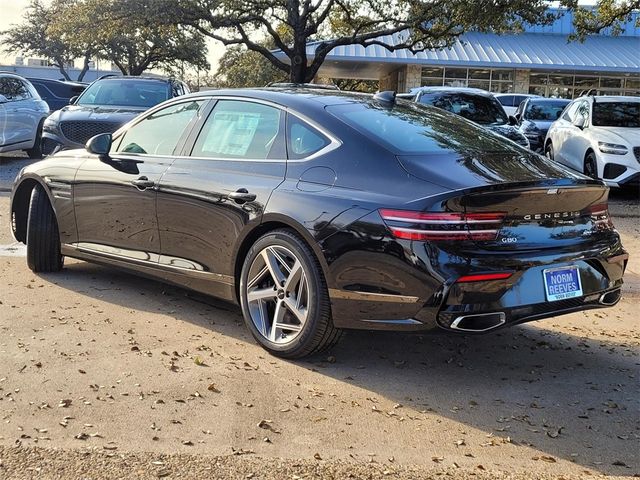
(605,14)
(240,67)
(124,33)
(34,36)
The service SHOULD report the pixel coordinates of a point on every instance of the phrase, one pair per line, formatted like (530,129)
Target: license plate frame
(557,286)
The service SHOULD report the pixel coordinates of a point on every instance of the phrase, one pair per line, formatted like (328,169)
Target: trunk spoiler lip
(563,184)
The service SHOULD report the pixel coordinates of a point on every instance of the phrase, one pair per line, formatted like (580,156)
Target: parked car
(105,105)
(600,136)
(57,93)
(511,101)
(321,210)
(476,105)
(535,115)
(22,113)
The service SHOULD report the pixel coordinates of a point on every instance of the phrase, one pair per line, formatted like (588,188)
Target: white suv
(22,114)
(599,136)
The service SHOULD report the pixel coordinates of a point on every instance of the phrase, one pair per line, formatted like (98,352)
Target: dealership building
(540,60)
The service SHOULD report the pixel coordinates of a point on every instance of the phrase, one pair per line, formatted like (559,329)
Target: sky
(11,12)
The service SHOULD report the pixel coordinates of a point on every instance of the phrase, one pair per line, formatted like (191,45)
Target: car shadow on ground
(567,396)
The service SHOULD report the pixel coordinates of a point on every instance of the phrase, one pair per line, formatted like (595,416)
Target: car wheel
(590,165)
(284,297)
(548,151)
(43,239)
(36,151)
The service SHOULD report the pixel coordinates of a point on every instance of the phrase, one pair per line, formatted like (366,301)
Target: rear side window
(14,89)
(506,100)
(302,139)
(159,133)
(237,129)
(415,129)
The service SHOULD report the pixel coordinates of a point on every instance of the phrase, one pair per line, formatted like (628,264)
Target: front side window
(159,133)
(477,108)
(237,129)
(570,112)
(302,139)
(14,89)
(616,114)
(125,93)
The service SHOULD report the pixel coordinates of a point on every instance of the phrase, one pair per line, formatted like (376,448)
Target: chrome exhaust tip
(480,322)
(610,298)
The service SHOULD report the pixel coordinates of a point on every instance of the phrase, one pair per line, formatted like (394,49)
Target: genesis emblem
(553,191)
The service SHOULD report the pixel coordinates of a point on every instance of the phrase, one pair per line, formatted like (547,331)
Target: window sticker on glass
(231,133)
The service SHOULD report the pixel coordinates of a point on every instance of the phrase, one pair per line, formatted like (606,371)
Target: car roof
(539,99)
(53,80)
(134,78)
(468,90)
(609,98)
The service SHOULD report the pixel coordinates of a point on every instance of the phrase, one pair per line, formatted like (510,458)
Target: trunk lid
(543,204)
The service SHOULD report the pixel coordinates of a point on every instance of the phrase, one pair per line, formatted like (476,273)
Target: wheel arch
(20,206)
(270,223)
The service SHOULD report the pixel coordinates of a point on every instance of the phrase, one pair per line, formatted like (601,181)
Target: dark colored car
(57,93)
(476,105)
(535,115)
(318,211)
(105,105)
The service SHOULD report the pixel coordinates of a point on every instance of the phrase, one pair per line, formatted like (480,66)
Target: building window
(494,80)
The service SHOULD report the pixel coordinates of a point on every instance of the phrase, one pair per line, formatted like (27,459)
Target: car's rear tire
(548,150)
(591,165)
(43,239)
(36,151)
(282,285)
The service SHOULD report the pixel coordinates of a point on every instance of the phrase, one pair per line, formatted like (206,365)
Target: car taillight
(600,216)
(484,277)
(434,226)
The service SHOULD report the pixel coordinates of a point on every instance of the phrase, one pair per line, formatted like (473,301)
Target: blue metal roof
(525,50)
(563,25)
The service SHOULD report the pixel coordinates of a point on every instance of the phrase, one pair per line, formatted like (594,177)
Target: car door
(575,143)
(115,197)
(561,130)
(220,186)
(18,116)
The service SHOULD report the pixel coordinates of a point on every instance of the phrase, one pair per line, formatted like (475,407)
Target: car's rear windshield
(127,93)
(477,108)
(409,128)
(616,114)
(544,111)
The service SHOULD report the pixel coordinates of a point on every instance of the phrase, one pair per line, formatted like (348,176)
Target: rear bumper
(426,300)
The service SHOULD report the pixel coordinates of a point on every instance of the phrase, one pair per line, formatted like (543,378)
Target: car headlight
(612,148)
(50,126)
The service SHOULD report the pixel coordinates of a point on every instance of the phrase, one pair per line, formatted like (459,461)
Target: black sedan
(318,211)
(535,115)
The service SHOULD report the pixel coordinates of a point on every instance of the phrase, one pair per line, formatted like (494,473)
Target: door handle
(143,183)
(242,195)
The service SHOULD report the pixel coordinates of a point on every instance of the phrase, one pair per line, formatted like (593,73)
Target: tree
(240,67)
(415,24)
(34,36)
(605,14)
(124,33)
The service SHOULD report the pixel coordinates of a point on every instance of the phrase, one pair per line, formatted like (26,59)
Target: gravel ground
(41,463)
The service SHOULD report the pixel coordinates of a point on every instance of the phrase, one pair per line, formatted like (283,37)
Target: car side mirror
(72,100)
(3,99)
(100,145)
(513,120)
(579,122)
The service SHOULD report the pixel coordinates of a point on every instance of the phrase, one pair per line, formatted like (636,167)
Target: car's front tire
(548,151)
(591,165)
(36,151)
(43,239)
(284,297)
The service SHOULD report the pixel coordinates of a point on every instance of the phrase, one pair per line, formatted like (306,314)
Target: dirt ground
(106,375)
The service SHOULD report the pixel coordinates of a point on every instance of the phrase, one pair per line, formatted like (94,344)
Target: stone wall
(521,81)
(388,82)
